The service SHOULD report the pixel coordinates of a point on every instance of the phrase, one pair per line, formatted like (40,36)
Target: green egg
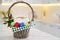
(12,24)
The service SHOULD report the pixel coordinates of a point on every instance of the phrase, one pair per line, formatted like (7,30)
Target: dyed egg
(22,24)
(12,24)
(17,24)
(27,24)
(32,23)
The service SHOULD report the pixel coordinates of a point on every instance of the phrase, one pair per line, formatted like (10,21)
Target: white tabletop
(35,34)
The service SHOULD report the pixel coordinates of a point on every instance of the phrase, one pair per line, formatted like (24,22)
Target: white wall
(33,1)
(38,1)
(42,1)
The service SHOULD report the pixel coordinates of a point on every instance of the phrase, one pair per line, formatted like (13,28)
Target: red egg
(17,24)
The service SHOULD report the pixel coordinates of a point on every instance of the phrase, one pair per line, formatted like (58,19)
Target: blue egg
(22,24)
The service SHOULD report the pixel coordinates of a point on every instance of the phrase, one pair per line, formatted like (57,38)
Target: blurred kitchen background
(47,14)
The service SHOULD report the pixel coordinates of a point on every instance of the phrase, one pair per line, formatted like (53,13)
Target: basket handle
(24,3)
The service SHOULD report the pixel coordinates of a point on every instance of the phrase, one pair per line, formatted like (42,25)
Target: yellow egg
(27,24)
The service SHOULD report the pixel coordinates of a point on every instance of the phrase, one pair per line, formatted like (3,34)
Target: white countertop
(35,34)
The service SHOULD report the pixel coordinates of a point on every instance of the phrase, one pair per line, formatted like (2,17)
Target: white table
(35,34)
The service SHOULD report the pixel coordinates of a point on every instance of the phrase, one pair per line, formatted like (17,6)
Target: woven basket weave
(23,33)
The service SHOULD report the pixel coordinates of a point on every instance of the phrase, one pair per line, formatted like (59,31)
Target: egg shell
(26,24)
(12,24)
(22,24)
(17,24)
(32,23)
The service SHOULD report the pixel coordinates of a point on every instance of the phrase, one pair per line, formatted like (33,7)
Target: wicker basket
(23,33)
